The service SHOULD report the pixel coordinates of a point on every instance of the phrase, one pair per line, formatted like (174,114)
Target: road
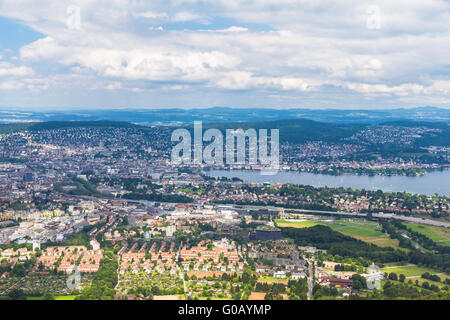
(180,272)
(375,215)
(381,215)
(310,279)
(354,214)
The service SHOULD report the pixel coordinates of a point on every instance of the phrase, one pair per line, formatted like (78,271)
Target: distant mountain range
(150,117)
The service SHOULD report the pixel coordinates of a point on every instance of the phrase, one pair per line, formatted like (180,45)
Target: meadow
(440,235)
(409,271)
(366,231)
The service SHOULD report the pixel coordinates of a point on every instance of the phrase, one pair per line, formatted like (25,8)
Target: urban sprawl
(91,212)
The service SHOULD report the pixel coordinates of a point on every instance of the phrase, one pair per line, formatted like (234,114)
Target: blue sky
(14,35)
(205,53)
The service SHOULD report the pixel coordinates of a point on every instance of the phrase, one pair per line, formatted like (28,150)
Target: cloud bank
(260,53)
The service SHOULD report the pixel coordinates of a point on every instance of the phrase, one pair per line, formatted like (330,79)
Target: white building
(36,245)
(170,230)
(95,245)
(373,277)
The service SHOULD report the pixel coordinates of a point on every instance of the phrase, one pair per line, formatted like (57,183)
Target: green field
(295,223)
(353,228)
(366,231)
(55,298)
(440,235)
(421,280)
(65,297)
(414,273)
(409,271)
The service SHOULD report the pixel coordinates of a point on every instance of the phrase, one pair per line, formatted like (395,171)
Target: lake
(431,183)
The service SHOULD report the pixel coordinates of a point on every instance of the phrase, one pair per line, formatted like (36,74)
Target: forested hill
(298,130)
(51,125)
(294,131)
(303,130)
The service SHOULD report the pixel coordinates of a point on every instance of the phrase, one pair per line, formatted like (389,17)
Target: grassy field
(440,235)
(366,231)
(421,280)
(295,223)
(65,297)
(414,273)
(361,228)
(409,271)
(56,298)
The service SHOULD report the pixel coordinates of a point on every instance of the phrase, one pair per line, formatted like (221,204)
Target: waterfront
(430,183)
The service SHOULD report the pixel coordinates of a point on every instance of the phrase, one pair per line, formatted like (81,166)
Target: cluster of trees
(83,188)
(432,287)
(393,276)
(272,296)
(431,277)
(393,290)
(344,267)
(299,288)
(21,269)
(324,292)
(359,282)
(80,238)
(104,281)
(275,288)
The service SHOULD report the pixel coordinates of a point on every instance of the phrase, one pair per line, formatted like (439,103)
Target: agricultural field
(366,231)
(440,235)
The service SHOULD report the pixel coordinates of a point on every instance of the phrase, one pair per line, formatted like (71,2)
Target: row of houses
(204,253)
(69,258)
(159,261)
(21,253)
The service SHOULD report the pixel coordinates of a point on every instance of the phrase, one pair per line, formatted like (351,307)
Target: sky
(236,53)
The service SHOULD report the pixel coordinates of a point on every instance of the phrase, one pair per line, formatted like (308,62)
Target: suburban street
(310,279)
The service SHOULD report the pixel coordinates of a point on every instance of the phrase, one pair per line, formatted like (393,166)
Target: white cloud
(234,29)
(10,85)
(152,15)
(241,80)
(185,16)
(312,46)
(114,86)
(8,69)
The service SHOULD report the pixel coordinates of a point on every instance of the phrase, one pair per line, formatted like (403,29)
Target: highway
(353,214)
(361,215)
(379,215)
